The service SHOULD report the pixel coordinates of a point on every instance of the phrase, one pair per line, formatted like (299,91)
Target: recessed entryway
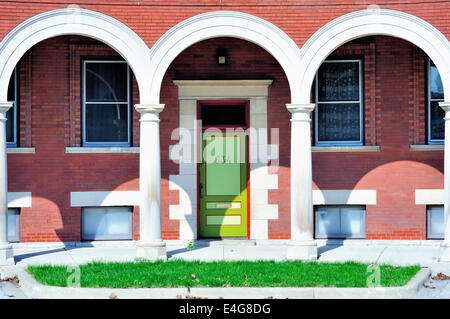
(255,93)
(223,169)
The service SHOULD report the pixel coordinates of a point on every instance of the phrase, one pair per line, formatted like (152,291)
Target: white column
(150,246)
(302,245)
(446,254)
(6,251)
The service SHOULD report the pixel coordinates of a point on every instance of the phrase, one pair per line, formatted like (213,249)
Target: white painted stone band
(19,199)
(429,196)
(345,197)
(108,198)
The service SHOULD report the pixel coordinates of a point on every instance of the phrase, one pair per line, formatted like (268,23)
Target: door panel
(223,185)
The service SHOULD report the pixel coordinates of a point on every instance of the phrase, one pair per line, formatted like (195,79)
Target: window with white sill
(106,103)
(339,103)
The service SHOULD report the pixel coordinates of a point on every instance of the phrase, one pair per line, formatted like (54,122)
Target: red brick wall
(150,19)
(50,174)
(49,114)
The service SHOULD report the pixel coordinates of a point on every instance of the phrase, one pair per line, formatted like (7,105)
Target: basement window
(340,222)
(13,225)
(435,222)
(107,223)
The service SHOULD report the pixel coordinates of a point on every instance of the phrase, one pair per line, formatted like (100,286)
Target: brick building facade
(343,104)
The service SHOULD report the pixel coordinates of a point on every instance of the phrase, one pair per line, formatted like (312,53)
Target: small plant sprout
(190,245)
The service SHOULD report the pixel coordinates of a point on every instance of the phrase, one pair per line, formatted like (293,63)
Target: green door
(223,185)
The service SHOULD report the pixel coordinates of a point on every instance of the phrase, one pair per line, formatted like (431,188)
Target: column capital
(149,108)
(300,108)
(4,107)
(445,106)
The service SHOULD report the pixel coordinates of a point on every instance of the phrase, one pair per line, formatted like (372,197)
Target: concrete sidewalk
(424,253)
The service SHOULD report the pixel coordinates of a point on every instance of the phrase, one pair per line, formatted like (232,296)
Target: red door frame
(246,104)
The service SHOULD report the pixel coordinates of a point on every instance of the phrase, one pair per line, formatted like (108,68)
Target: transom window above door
(339,106)
(228,113)
(106,103)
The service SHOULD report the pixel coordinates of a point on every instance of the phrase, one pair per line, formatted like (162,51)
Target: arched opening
(379,94)
(223,24)
(75,98)
(372,22)
(74,21)
(255,86)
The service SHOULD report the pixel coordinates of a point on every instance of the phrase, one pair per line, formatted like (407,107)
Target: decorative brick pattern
(25,102)
(418,98)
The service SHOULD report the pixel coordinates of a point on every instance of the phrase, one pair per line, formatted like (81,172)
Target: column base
(445,257)
(151,250)
(302,250)
(6,255)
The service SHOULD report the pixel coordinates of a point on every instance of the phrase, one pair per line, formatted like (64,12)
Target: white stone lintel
(203,89)
(104,198)
(429,196)
(345,197)
(19,199)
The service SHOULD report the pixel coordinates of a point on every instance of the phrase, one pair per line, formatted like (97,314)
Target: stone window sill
(93,150)
(428,147)
(20,150)
(345,149)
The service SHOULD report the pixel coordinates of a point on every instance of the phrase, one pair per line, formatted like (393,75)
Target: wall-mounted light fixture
(221,56)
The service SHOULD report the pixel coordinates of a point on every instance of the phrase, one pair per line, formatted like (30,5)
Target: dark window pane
(436,89)
(223,115)
(12,87)
(10,125)
(437,121)
(106,82)
(107,123)
(10,114)
(338,81)
(338,122)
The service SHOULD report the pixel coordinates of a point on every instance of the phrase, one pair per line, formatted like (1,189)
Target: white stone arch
(223,24)
(74,21)
(369,22)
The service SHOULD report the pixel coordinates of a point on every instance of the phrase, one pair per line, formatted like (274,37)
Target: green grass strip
(180,273)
